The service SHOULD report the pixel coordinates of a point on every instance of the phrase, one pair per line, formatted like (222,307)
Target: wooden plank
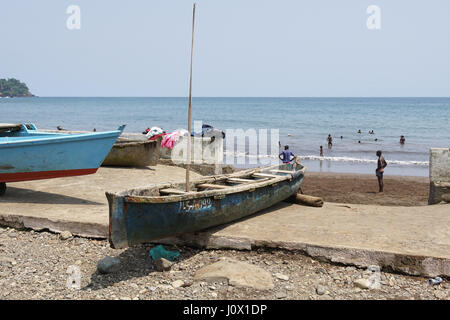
(171,191)
(9,126)
(241,180)
(212,186)
(265,175)
(282,171)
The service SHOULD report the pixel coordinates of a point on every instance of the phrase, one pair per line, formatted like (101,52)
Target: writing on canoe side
(196,204)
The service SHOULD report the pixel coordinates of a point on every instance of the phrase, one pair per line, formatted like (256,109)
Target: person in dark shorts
(402,139)
(321,151)
(330,141)
(286,155)
(381,164)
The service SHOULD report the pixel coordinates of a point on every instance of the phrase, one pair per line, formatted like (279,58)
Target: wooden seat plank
(171,191)
(212,186)
(265,175)
(282,171)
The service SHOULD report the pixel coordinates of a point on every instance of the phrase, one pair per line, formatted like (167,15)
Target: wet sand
(362,189)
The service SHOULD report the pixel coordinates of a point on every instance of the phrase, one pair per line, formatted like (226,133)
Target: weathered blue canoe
(28,154)
(145,214)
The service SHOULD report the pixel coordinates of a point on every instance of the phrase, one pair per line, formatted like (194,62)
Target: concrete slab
(413,240)
(76,204)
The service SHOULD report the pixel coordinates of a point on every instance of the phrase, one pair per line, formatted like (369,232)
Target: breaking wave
(336,159)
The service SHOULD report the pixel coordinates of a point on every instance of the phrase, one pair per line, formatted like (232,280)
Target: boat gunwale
(38,138)
(128,197)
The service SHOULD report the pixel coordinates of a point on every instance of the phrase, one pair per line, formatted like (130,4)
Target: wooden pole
(188,165)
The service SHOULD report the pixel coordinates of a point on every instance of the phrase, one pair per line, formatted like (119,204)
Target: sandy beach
(362,189)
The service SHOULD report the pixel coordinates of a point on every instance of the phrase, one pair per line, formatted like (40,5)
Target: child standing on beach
(381,164)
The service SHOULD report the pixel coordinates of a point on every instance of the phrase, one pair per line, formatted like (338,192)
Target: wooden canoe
(134,153)
(158,211)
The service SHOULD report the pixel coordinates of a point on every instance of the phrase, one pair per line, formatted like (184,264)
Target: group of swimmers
(330,140)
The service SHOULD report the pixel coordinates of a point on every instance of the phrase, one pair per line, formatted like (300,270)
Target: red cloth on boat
(157,136)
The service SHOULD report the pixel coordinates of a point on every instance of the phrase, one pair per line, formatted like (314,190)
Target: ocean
(303,124)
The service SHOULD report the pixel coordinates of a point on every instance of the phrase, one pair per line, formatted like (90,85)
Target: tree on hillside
(13,88)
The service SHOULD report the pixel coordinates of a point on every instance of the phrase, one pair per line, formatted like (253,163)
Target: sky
(255,48)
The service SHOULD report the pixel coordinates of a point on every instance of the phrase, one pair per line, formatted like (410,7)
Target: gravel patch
(40,265)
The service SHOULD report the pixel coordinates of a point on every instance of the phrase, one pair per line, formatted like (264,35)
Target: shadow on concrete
(135,262)
(201,238)
(133,167)
(20,195)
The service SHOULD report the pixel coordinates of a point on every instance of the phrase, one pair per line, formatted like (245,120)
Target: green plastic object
(160,252)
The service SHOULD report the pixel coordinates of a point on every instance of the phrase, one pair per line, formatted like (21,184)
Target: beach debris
(281,295)
(237,273)
(162,264)
(281,276)
(160,252)
(178,283)
(304,199)
(7,261)
(108,265)
(321,290)
(363,284)
(65,235)
(435,281)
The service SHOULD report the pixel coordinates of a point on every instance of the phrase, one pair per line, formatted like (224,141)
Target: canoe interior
(214,185)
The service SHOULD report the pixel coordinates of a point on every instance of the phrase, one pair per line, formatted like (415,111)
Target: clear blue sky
(243,48)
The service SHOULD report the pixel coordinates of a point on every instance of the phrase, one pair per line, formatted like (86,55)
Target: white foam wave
(337,159)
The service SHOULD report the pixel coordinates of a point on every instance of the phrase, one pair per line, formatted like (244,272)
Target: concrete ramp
(412,240)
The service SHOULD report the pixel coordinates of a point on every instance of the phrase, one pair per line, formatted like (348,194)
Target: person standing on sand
(381,164)
(286,155)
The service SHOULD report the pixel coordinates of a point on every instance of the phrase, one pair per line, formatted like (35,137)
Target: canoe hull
(33,155)
(133,222)
(128,153)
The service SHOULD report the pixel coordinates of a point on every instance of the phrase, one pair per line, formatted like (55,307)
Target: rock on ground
(108,265)
(162,264)
(238,274)
(65,235)
(362,283)
(178,283)
(281,276)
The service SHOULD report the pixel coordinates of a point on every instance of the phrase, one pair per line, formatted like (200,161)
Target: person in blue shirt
(286,155)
